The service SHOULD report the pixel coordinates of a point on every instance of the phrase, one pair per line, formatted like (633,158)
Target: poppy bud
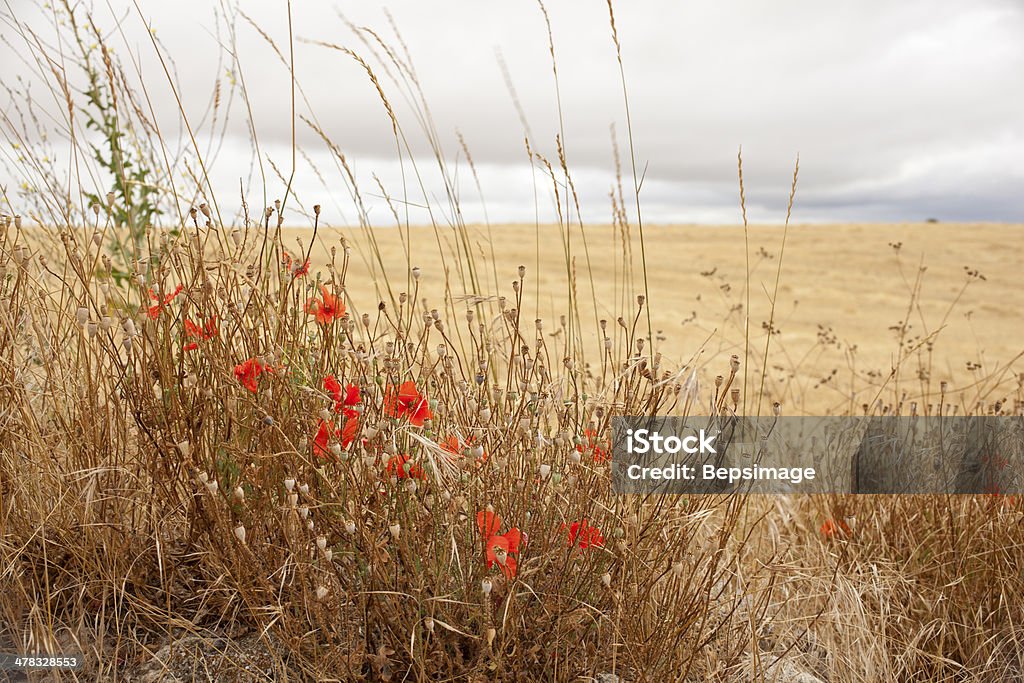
(304,512)
(309,524)
(211,486)
(321,592)
(321,542)
(486,585)
(416,273)
(289,484)
(328,555)
(350,527)
(304,489)
(429,624)
(239,493)
(396,531)
(240,533)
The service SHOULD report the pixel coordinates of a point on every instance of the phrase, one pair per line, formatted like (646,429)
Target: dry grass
(184,489)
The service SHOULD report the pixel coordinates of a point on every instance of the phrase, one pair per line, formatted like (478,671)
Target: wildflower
(584,535)
(292,266)
(154,311)
(406,401)
(206,330)
(832,528)
(327,308)
(499,548)
(458,448)
(326,429)
(399,466)
(249,371)
(596,447)
(342,403)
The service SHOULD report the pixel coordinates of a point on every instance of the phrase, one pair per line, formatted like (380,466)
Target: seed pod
(240,533)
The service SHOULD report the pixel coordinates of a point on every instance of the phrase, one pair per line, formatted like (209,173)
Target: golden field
(846,280)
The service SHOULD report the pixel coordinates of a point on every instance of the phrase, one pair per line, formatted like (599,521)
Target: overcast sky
(898,110)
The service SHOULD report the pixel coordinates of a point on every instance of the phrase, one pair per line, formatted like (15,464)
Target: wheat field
(841,291)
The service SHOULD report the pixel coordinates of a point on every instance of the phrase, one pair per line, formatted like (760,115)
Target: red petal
(488,523)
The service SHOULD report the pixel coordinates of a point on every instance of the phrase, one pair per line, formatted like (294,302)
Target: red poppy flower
(832,528)
(399,466)
(598,448)
(342,403)
(458,448)
(499,549)
(293,266)
(582,534)
(327,308)
(208,330)
(154,311)
(325,430)
(248,372)
(406,401)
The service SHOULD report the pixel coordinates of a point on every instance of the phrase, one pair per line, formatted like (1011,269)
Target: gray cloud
(899,111)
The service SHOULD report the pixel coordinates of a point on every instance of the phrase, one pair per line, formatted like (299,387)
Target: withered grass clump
(173,454)
(204,434)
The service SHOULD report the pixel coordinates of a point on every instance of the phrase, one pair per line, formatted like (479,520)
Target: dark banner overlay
(729,454)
